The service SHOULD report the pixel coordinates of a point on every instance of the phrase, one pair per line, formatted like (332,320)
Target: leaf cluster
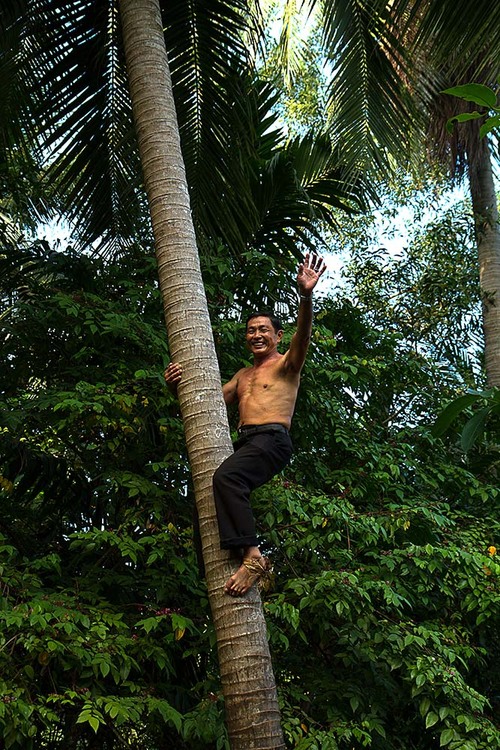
(101,637)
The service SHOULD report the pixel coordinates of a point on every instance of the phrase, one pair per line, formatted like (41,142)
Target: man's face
(261,337)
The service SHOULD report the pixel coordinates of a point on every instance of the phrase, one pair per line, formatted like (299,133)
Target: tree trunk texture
(252,713)
(484,206)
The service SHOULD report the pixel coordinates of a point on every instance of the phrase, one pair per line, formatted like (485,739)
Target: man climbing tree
(265,393)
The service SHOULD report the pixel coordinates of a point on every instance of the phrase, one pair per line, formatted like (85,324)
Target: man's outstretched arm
(308,275)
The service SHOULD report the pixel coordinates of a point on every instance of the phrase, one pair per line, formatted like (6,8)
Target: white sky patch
(394,233)
(56,232)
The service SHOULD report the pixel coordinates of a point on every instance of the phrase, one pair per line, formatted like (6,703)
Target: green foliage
(104,621)
(480,94)
(411,268)
(387,578)
(486,416)
(86,645)
(383,621)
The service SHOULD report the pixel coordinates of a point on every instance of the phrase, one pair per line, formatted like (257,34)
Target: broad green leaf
(464,117)
(431,719)
(424,706)
(94,723)
(104,667)
(474,92)
(446,737)
(474,428)
(492,123)
(449,414)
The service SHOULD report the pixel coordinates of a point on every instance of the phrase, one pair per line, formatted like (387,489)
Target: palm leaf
(451,412)
(463,29)
(474,428)
(87,119)
(372,114)
(258,191)
(208,60)
(84,115)
(300,188)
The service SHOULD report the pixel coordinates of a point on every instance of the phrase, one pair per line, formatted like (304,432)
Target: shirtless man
(266,393)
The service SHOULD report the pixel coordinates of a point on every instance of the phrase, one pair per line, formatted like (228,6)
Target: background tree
(447,58)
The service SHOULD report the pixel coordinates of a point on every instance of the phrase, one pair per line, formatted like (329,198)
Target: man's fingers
(314,262)
(173,372)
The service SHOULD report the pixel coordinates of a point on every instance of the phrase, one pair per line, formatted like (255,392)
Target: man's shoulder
(239,374)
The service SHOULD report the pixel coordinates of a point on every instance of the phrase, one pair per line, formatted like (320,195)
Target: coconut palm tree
(252,713)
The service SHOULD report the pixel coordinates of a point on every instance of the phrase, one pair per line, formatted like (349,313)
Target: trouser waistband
(252,429)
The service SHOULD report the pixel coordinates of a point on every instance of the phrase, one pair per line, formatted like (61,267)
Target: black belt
(254,429)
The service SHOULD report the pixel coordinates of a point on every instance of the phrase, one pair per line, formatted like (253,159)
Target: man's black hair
(275,321)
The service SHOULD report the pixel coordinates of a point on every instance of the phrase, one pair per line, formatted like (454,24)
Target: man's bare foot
(252,570)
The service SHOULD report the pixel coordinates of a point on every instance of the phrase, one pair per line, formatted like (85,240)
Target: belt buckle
(247,430)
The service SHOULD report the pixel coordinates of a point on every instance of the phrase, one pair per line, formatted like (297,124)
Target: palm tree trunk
(251,705)
(484,205)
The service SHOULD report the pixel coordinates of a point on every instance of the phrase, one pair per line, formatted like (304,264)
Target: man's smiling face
(261,338)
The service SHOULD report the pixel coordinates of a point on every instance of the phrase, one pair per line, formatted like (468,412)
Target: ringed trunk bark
(485,209)
(252,714)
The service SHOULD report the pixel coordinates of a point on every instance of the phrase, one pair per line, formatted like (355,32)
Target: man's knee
(221,477)
(228,480)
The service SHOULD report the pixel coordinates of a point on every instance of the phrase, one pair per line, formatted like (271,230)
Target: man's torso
(267,393)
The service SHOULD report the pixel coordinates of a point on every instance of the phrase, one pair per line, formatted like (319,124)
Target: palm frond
(205,45)
(461,27)
(229,163)
(371,109)
(300,188)
(86,125)
(22,192)
(255,190)
(293,45)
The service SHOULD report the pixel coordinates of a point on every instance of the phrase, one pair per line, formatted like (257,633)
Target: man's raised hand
(309,273)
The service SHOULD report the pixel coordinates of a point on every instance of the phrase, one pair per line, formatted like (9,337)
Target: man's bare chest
(262,382)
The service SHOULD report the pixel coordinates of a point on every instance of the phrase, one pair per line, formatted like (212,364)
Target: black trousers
(259,454)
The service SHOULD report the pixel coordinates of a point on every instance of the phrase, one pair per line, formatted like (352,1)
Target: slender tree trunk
(252,714)
(484,204)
